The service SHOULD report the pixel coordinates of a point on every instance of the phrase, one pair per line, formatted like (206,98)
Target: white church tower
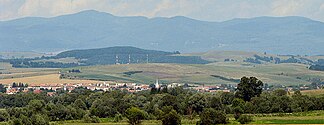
(157,83)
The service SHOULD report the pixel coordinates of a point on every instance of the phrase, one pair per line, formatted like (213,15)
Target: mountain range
(93,29)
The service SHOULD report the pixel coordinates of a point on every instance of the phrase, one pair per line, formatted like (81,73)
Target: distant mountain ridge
(93,29)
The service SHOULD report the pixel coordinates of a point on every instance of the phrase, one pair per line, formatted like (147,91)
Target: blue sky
(209,10)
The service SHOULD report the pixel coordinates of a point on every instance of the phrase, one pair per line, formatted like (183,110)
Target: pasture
(285,74)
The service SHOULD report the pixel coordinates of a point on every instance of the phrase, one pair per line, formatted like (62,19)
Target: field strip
(44,79)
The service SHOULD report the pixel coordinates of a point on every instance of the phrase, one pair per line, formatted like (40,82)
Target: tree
(103,108)
(279,92)
(237,102)
(248,88)
(215,102)
(198,101)
(135,115)
(238,111)
(38,119)
(15,121)
(118,117)
(227,98)
(244,119)
(4,115)
(210,116)
(90,119)
(2,88)
(79,104)
(36,106)
(170,116)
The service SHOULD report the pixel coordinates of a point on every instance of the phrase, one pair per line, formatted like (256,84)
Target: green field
(8,72)
(285,74)
(219,72)
(220,56)
(314,117)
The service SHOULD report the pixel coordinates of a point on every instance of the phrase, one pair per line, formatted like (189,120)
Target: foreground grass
(290,122)
(312,117)
(106,121)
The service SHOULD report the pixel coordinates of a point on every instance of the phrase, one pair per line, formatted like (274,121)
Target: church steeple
(157,83)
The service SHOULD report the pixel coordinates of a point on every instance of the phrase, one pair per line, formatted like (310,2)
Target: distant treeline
(258,60)
(226,79)
(319,65)
(22,63)
(111,55)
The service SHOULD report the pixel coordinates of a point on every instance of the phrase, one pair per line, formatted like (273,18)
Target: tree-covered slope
(110,55)
(92,29)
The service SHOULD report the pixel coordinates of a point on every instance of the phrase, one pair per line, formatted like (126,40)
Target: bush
(211,116)
(15,121)
(118,117)
(237,112)
(39,120)
(244,119)
(4,116)
(135,115)
(171,118)
(90,119)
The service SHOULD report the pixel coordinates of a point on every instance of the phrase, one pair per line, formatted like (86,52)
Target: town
(51,89)
(106,86)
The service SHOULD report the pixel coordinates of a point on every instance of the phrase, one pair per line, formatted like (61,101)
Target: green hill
(110,55)
(213,73)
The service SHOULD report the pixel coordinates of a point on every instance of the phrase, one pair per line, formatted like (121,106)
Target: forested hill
(110,55)
(92,29)
(119,50)
(126,54)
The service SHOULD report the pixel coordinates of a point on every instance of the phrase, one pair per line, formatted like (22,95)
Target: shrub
(171,118)
(39,120)
(15,121)
(118,117)
(211,116)
(4,116)
(135,115)
(244,119)
(237,112)
(90,119)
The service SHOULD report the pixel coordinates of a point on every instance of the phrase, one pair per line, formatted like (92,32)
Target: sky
(207,10)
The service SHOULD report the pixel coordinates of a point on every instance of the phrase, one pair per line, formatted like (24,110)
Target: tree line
(168,105)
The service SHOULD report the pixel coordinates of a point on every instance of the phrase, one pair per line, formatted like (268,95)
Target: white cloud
(322,7)
(285,7)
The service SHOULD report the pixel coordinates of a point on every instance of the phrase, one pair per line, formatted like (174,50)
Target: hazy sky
(210,10)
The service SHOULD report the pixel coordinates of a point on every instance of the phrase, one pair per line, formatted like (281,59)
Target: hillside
(92,29)
(214,73)
(110,55)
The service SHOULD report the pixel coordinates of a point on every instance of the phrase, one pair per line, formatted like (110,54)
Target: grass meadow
(313,117)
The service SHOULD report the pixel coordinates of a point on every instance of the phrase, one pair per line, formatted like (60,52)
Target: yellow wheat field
(44,79)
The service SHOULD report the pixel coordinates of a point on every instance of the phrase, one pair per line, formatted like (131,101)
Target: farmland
(212,73)
(33,76)
(285,74)
(44,79)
